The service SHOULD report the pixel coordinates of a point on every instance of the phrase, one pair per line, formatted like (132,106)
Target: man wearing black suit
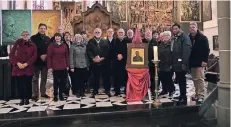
(97,51)
(111,43)
(120,61)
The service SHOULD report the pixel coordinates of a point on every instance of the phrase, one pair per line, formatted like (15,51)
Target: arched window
(39,4)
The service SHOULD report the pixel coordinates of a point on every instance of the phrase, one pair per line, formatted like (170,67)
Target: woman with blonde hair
(79,64)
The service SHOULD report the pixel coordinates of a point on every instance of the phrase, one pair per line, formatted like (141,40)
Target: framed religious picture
(137,56)
(190,11)
(57,5)
(207,11)
(215,43)
(79,8)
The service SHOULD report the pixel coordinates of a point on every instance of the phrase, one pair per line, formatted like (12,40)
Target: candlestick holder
(156,101)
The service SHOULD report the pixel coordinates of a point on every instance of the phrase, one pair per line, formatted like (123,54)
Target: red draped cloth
(138,79)
(137,85)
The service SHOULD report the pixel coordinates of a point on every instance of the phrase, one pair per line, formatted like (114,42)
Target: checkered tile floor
(73,102)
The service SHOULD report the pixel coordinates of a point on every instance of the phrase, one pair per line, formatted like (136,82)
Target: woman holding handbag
(79,64)
(22,57)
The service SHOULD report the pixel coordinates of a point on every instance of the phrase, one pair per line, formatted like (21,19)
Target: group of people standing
(100,58)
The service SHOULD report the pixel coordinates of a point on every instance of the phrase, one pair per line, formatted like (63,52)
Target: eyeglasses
(25,34)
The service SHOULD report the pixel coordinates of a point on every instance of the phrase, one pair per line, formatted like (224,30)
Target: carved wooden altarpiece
(96,16)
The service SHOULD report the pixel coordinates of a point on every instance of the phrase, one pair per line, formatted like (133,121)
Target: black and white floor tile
(73,102)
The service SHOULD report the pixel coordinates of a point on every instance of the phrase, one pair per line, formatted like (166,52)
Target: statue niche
(96,16)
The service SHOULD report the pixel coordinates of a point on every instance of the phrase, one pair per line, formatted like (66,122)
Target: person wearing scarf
(79,64)
(181,49)
(97,51)
(58,63)
(23,56)
(165,64)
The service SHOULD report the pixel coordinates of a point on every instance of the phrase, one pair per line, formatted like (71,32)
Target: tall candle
(155,51)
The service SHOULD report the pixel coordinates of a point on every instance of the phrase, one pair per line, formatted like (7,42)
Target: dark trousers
(24,86)
(121,77)
(101,70)
(152,78)
(59,81)
(35,85)
(81,76)
(182,83)
(166,80)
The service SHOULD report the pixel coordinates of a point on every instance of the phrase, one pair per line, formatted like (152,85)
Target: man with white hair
(198,60)
(151,42)
(130,35)
(97,51)
(111,42)
(165,64)
(59,30)
(120,61)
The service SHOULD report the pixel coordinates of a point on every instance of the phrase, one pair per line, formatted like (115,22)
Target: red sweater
(23,53)
(57,57)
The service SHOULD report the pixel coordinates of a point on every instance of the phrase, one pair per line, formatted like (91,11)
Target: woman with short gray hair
(79,64)
(165,64)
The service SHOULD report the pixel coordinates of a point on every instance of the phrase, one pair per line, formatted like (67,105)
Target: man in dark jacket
(181,48)
(97,51)
(111,43)
(120,60)
(41,41)
(198,60)
(151,42)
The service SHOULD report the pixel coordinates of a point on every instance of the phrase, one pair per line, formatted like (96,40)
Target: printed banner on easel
(13,23)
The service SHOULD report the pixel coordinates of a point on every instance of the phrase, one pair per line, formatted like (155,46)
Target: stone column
(223,110)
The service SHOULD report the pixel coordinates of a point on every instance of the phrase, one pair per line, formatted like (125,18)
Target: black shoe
(55,99)
(93,95)
(21,102)
(116,94)
(170,94)
(34,98)
(162,93)
(45,96)
(61,98)
(77,95)
(26,102)
(182,99)
(109,94)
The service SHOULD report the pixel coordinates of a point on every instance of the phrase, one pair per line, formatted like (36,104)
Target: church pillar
(223,109)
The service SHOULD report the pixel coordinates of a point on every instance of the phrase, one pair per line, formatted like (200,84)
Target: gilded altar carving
(156,15)
(96,16)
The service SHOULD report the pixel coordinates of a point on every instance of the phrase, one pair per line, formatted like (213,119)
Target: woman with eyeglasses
(79,64)
(22,56)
